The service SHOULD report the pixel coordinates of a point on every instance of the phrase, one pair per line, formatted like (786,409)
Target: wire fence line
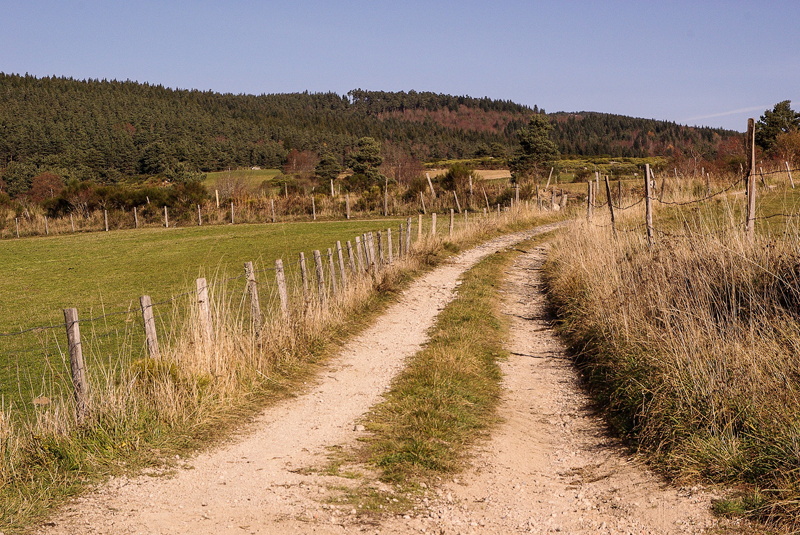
(100,337)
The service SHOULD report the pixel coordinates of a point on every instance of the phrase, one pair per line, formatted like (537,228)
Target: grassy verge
(692,345)
(143,414)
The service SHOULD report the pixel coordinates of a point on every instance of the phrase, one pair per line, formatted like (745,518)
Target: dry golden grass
(693,346)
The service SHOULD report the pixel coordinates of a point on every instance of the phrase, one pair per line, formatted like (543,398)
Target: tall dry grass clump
(693,347)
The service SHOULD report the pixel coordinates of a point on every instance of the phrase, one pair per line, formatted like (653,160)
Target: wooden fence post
(105,219)
(389,255)
(166,218)
(433,224)
(272,208)
(648,202)
(486,198)
(216,194)
(149,327)
(611,207)
(304,275)
(333,194)
(334,285)
(367,258)
(313,209)
(751,180)
(791,180)
(282,293)
(252,290)
(350,258)
(553,199)
(204,310)
(516,191)
(372,257)
(47,228)
(589,200)
(419,227)
(386,197)
(400,242)
(135,219)
(347,204)
(381,258)
(563,199)
(466,213)
(451,222)
(232,220)
(16,222)
(72,221)
(342,272)
(320,276)
(458,204)
(408,233)
(199,217)
(359,254)
(422,199)
(538,199)
(79,384)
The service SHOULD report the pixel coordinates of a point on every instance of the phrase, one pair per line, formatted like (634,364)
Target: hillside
(111,131)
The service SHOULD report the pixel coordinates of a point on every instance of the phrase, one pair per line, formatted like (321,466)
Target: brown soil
(549,467)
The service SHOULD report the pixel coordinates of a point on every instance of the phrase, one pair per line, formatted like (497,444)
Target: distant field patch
(251,179)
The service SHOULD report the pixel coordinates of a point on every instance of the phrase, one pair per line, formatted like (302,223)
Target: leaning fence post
(252,290)
(342,272)
(334,285)
(458,204)
(205,310)
(149,327)
(80,386)
(304,275)
(648,204)
(320,276)
(422,198)
(284,296)
(791,180)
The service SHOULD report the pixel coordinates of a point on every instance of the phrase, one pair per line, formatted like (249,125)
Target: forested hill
(110,130)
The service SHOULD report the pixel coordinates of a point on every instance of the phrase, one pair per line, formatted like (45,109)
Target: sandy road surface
(252,485)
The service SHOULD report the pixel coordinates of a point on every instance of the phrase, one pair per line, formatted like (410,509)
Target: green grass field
(101,273)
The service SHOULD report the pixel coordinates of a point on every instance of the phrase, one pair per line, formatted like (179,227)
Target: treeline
(111,131)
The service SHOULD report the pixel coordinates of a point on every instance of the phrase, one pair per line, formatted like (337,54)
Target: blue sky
(703,62)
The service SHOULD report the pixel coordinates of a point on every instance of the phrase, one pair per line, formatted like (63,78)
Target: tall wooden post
(79,383)
(47,227)
(386,197)
(430,185)
(216,195)
(204,307)
(347,204)
(589,200)
(16,223)
(419,227)
(166,218)
(342,272)
(199,217)
(458,204)
(272,208)
(313,209)
(791,180)
(334,284)
(648,202)
(304,276)
(72,221)
(408,233)
(280,278)
(149,327)
(351,261)
(486,198)
(232,220)
(433,224)
(422,199)
(751,179)
(105,219)
(389,256)
(333,194)
(252,290)
(381,258)
(611,207)
(451,222)
(320,276)
(135,220)
(360,254)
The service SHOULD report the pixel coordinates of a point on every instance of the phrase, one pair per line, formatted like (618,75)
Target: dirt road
(549,467)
